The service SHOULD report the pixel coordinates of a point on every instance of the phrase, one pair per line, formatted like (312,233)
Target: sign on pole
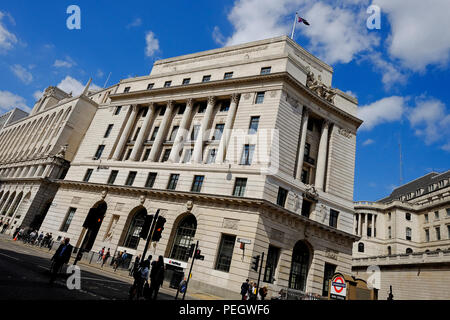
(338,288)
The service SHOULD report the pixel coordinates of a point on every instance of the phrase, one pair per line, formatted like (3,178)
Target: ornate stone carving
(273,93)
(311,192)
(112,227)
(104,193)
(319,88)
(212,100)
(62,152)
(142,200)
(247,96)
(235,97)
(170,104)
(189,206)
(230,224)
(189,103)
(346,133)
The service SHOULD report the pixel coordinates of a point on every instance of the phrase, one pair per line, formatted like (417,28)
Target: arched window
(183,238)
(409,251)
(360,247)
(134,229)
(299,267)
(15,205)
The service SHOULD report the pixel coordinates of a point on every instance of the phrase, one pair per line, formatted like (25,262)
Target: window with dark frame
(360,247)
(266,70)
(329,271)
(146,154)
(68,220)
(247,154)
(113,176)
(201,108)
(194,132)
(150,86)
(438,233)
(334,215)
(88,174)
(197,183)
(137,133)
(225,253)
(181,109)
(186,81)
(166,155)
(162,111)
(218,131)
(260,97)
(239,187)
(144,112)
(211,156)
(408,216)
(408,234)
(151,178)
(228,75)
(225,106)
(117,111)
(174,133)
(173,180)
(99,152)
(254,124)
(206,78)
(155,132)
(130,178)
(127,89)
(282,196)
(128,154)
(108,131)
(167,84)
(271,264)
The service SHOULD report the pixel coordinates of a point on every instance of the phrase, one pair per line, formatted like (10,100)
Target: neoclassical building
(407,235)
(36,150)
(247,149)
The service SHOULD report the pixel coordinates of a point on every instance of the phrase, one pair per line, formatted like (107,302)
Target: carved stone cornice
(235,97)
(212,100)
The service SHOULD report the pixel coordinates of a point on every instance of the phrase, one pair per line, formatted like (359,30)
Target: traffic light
(198,255)
(255,262)
(191,250)
(146,227)
(93,221)
(158,229)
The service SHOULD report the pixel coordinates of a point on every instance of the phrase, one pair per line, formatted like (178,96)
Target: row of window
(437,231)
(206,78)
(238,190)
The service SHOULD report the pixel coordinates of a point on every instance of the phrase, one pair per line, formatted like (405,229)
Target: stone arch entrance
(130,236)
(93,223)
(38,219)
(301,258)
(182,237)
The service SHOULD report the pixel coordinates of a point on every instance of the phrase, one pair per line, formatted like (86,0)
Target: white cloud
(67,63)
(9,101)
(368,142)
(7,39)
(22,73)
(431,121)
(69,84)
(385,110)
(38,94)
(391,73)
(135,23)
(152,44)
(419,31)
(218,37)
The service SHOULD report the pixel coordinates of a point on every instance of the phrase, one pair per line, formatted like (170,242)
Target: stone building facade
(407,236)
(243,144)
(36,150)
(11,116)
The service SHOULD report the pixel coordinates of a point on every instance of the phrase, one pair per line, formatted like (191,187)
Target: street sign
(244,241)
(338,287)
(175,263)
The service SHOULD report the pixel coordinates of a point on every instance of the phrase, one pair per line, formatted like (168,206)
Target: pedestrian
(50,242)
(106,257)
(39,239)
(141,279)
(253,292)
(135,266)
(117,260)
(156,277)
(124,258)
(5,226)
(244,289)
(100,255)
(16,232)
(263,293)
(61,257)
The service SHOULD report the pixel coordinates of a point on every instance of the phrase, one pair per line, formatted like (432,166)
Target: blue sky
(399,73)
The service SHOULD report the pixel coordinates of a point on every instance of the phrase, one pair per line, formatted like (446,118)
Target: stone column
(141,136)
(322,157)
(182,132)
(301,149)
(198,147)
(223,145)
(126,132)
(161,133)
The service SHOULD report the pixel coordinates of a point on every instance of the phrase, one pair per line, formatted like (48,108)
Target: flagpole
(293,27)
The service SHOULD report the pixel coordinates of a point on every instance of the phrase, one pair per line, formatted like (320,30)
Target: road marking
(106,280)
(2,254)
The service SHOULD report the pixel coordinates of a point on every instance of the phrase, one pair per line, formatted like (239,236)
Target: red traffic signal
(158,229)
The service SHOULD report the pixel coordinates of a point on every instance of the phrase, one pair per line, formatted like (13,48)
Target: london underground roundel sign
(338,287)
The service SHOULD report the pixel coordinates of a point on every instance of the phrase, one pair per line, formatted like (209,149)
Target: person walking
(39,239)
(61,257)
(117,260)
(140,280)
(244,289)
(100,255)
(263,293)
(156,277)
(135,266)
(253,292)
(106,257)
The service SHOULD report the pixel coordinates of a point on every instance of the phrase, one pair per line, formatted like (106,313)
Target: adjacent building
(407,236)
(247,149)
(11,116)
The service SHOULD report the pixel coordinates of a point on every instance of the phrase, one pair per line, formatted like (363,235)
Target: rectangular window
(426,217)
(113,176)
(228,75)
(239,187)
(173,180)
(211,156)
(167,84)
(117,111)
(194,132)
(247,154)
(206,78)
(68,219)
(259,98)
(310,125)
(334,215)
(282,196)
(166,155)
(150,86)
(436,215)
(186,81)
(438,233)
(181,109)
(197,183)
(408,234)
(99,152)
(162,111)
(202,108)
(127,89)
(254,124)
(218,131)
(136,134)
(225,254)
(448,212)
(88,174)
(150,180)
(155,132)
(427,235)
(108,131)
(131,177)
(128,154)
(389,232)
(225,106)
(307,149)
(173,135)
(271,264)
(266,70)
(304,176)
(188,155)
(408,216)
(306,208)
(146,154)
(329,271)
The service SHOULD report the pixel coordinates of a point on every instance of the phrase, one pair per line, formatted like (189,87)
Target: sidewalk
(107,270)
